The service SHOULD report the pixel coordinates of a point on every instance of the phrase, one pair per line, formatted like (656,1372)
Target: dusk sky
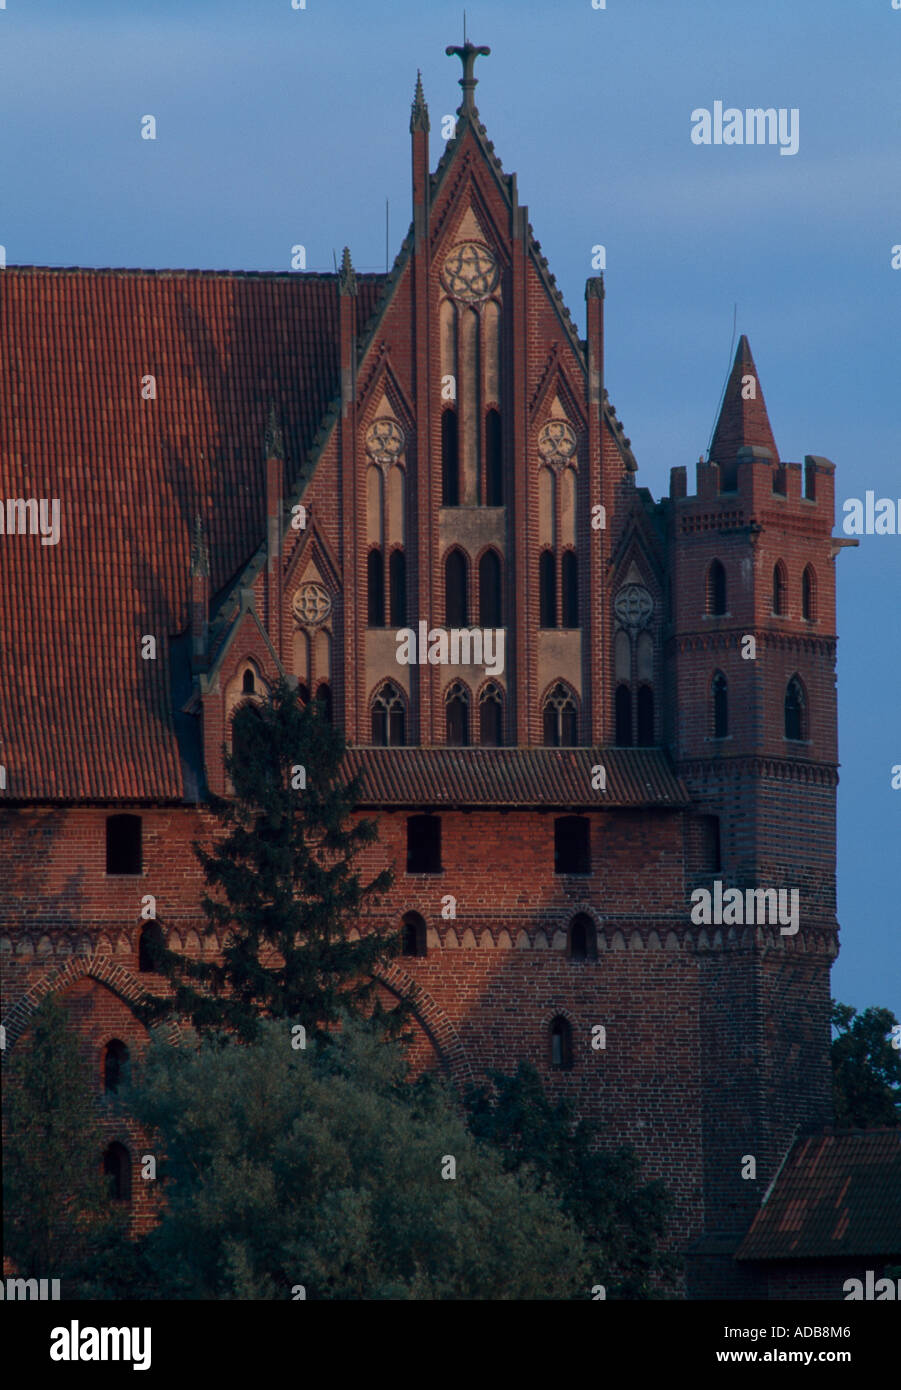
(278,126)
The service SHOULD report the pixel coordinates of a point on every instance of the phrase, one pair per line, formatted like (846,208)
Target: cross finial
(467,55)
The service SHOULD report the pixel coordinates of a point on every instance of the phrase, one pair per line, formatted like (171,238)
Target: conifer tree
(286,889)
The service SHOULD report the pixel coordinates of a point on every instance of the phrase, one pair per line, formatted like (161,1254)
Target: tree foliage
(322,1168)
(286,889)
(866,1068)
(622,1219)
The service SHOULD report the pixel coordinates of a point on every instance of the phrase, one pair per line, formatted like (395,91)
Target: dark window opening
(150,943)
(115,1066)
(117,1169)
(583,938)
(490,603)
(729,476)
(494,464)
(560,719)
(450,464)
(456,709)
(794,710)
(623,716)
(779,589)
(423,844)
(375,580)
(247,683)
(123,845)
(570,579)
(456,590)
(397,577)
(645,731)
(720,706)
(572,845)
(808,591)
(561,1044)
(716,589)
(547,590)
(324,700)
(388,721)
(491,717)
(303,693)
(413,936)
(713,859)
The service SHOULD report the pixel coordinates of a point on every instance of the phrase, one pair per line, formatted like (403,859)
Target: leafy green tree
(56,1206)
(623,1220)
(325,1168)
(866,1069)
(285,885)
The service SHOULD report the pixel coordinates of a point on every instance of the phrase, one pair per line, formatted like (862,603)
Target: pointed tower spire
(743,421)
(467,55)
(273,444)
(347,279)
(419,114)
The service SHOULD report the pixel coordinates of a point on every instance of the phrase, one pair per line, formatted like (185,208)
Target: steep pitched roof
(838,1194)
(742,422)
(82,715)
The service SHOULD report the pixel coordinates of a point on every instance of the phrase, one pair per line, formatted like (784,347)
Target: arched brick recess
(437,1025)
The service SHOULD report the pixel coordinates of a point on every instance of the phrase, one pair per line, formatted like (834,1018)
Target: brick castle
(278,473)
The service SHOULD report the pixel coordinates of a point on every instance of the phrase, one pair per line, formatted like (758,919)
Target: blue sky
(277,126)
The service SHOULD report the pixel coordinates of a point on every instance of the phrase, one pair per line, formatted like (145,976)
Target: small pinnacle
(347,279)
(273,444)
(419,114)
(200,555)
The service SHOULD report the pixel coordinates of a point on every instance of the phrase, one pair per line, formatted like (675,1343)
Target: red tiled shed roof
(82,716)
(838,1194)
(552,777)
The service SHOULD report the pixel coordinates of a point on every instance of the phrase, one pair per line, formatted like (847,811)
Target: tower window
(397,577)
(456,590)
(450,462)
(623,716)
(547,590)
(560,719)
(572,846)
(716,589)
(490,606)
(491,709)
(247,686)
(583,938)
(123,845)
(324,700)
(413,937)
(423,844)
(115,1066)
(561,1038)
(494,464)
(457,715)
(808,594)
(720,692)
(375,580)
(117,1169)
(795,711)
(570,577)
(388,718)
(149,943)
(645,711)
(713,859)
(779,589)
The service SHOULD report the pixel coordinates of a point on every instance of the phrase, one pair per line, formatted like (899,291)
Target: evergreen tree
(623,1221)
(286,887)
(866,1068)
(55,1200)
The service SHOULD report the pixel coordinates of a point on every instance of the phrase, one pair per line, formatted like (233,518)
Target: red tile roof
(550,777)
(838,1194)
(81,714)
(742,421)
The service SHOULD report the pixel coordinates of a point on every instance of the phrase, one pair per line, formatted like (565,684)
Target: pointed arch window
(583,938)
(456,590)
(490,594)
(795,710)
(117,1169)
(375,580)
(560,718)
(413,936)
(561,1044)
(645,713)
(450,460)
(397,580)
(324,700)
(716,589)
(547,590)
(115,1066)
(570,581)
(780,589)
(623,710)
(457,715)
(388,717)
(149,943)
(494,466)
(720,697)
(247,683)
(808,594)
(491,716)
